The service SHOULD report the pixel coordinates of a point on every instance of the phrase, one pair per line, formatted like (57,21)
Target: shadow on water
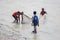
(35,37)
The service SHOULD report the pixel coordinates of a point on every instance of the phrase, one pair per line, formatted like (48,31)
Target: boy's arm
(45,12)
(19,18)
(32,21)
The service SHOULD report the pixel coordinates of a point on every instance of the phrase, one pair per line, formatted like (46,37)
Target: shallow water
(48,29)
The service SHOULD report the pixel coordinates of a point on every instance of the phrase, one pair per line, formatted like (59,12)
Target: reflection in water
(16,26)
(35,37)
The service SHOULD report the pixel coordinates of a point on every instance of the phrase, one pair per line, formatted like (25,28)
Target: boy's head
(42,9)
(18,13)
(34,12)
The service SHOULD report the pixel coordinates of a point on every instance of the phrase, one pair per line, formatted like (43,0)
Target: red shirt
(15,13)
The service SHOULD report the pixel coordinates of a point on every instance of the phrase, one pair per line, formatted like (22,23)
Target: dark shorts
(35,24)
(15,17)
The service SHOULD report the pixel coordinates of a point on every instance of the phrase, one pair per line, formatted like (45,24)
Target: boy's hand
(38,25)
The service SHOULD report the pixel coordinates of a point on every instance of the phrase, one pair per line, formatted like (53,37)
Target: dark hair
(18,12)
(42,8)
(34,12)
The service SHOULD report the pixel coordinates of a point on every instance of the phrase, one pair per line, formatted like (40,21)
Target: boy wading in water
(43,13)
(35,21)
(16,16)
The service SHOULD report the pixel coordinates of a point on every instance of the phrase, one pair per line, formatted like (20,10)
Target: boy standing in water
(43,13)
(35,21)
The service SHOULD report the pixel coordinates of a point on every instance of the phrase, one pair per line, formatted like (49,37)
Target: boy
(35,21)
(18,15)
(43,12)
(15,16)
